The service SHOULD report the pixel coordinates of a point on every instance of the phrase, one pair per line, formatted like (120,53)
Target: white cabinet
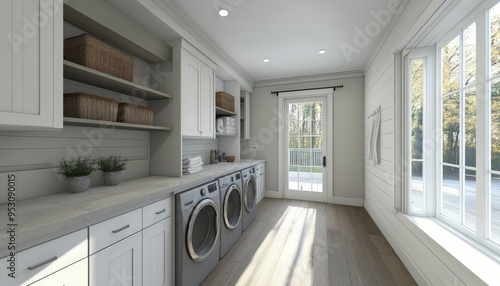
(245,115)
(116,250)
(157,254)
(45,259)
(74,275)
(31,70)
(198,103)
(118,264)
(260,173)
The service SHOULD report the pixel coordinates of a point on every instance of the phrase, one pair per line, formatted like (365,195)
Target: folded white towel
(192,160)
(220,125)
(192,170)
(192,165)
(232,121)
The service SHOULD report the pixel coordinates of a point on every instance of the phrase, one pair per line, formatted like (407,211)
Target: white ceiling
(289,32)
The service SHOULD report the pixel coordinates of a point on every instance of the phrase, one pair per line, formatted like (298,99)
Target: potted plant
(77,172)
(111,168)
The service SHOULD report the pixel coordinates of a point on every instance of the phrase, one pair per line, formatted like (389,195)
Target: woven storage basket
(87,106)
(89,51)
(224,100)
(136,114)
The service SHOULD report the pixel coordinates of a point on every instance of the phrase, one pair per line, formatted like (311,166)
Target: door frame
(282,141)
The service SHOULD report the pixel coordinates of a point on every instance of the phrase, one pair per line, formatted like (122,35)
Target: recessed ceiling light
(265,60)
(223,12)
(322,51)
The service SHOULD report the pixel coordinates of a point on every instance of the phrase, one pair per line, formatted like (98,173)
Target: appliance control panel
(212,187)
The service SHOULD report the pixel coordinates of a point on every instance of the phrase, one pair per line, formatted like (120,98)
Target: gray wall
(348,112)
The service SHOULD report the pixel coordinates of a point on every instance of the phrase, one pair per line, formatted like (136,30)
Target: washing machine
(231,211)
(249,196)
(197,231)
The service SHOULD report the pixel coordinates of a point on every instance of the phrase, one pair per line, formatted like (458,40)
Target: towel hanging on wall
(374,146)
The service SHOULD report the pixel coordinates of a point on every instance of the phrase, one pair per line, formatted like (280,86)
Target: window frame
(432,174)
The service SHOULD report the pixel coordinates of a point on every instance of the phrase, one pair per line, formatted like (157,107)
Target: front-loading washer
(197,231)
(231,211)
(249,196)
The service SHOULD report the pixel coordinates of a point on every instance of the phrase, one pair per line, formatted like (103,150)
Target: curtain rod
(334,88)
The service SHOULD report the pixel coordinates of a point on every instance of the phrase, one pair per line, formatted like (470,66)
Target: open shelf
(109,124)
(223,112)
(87,75)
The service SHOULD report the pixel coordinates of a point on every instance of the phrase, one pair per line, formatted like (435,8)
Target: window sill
(469,256)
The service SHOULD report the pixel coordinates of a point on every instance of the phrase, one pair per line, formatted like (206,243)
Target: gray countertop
(45,218)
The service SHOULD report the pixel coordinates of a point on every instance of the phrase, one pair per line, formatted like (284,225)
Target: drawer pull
(42,263)
(159,212)
(120,229)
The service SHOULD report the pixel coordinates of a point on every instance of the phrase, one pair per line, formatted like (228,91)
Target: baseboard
(347,201)
(274,195)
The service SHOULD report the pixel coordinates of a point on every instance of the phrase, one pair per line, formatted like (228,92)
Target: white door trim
(282,160)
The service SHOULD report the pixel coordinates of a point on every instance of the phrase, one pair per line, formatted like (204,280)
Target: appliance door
(232,207)
(250,194)
(203,230)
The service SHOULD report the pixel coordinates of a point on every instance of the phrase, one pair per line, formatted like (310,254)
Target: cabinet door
(190,95)
(207,102)
(31,69)
(118,264)
(157,254)
(74,275)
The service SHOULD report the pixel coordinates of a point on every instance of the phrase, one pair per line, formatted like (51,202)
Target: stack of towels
(192,165)
(226,125)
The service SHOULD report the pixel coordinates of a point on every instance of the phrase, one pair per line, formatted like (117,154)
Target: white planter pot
(111,178)
(78,184)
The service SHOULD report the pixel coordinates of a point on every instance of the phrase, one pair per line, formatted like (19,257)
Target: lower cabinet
(260,174)
(118,264)
(74,275)
(157,254)
(47,262)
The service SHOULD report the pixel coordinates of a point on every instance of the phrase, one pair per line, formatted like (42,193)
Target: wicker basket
(87,106)
(136,114)
(87,50)
(224,100)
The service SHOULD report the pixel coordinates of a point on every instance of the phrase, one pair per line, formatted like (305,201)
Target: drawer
(156,211)
(42,260)
(105,233)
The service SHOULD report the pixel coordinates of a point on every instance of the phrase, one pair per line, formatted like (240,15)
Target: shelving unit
(89,76)
(109,124)
(225,135)
(223,112)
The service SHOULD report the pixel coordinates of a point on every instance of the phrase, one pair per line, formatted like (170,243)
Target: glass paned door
(305,150)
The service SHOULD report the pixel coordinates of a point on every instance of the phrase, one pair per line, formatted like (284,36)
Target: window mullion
(482,127)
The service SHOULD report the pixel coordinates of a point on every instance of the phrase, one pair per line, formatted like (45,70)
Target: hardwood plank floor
(306,243)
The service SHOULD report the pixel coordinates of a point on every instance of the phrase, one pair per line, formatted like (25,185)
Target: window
(452,130)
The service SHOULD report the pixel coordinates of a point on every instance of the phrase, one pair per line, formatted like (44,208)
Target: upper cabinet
(197,96)
(31,69)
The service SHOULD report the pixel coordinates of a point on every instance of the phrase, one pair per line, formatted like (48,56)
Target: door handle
(324,161)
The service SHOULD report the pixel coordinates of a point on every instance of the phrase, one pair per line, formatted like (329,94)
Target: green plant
(76,167)
(111,164)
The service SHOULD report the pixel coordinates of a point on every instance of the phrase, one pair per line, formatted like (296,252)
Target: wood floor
(306,243)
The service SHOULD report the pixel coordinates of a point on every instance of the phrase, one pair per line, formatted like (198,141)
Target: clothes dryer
(249,196)
(197,230)
(231,211)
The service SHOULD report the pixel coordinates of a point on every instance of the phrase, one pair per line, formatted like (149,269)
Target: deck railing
(305,157)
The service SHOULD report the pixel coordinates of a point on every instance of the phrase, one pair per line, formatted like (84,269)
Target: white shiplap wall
(34,156)
(427,267)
